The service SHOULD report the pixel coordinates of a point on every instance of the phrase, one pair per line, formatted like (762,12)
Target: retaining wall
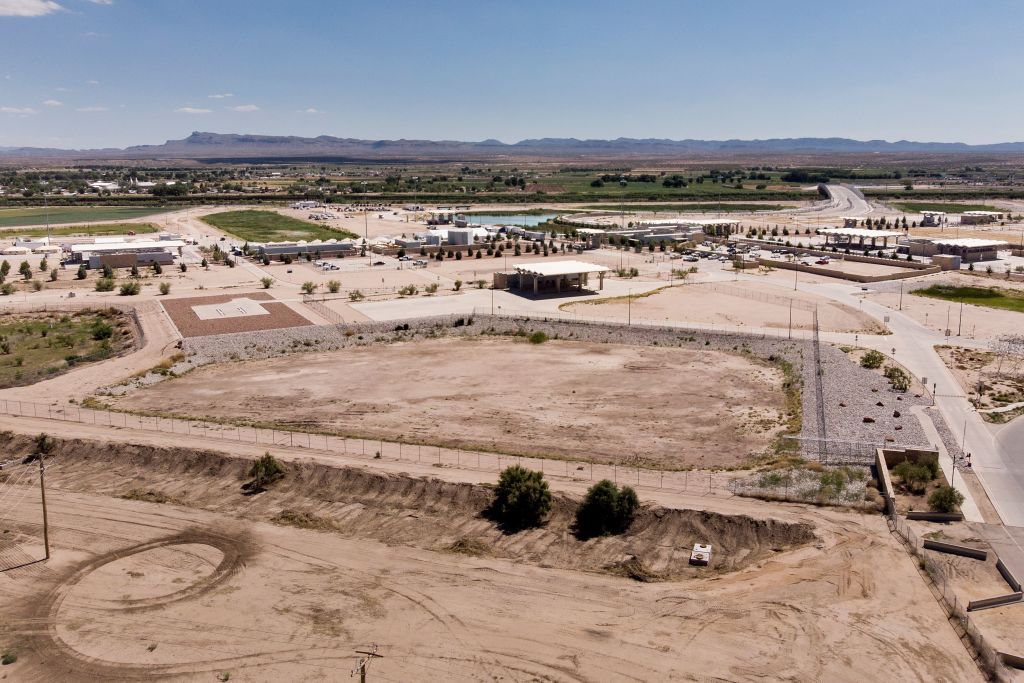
(997,601)
(956,549)
(854,277)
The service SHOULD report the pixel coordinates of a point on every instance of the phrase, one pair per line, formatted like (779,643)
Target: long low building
(551,277)
(858,238)
(279,250)
(125,253)
(970,249)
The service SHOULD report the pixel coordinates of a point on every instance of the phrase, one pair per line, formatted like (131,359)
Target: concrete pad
(236,308)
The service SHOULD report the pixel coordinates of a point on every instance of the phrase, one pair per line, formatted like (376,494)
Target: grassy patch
(269,226)
(98,229)
(37,215)
(918,207)
(34,346)
(723,207)
(990,297)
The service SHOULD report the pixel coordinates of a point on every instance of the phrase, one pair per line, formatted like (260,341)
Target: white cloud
(245,107)
(92,82)
(221,96)
(310,110)
(102,2)
(192,110)
(28,8)
(93,109)
(17,110)
(52,103)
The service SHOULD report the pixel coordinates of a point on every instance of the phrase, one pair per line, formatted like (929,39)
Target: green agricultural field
(269,226)
(92,230)
(714,208)
(34,346)
(991,297)
(918,207)
(37,215)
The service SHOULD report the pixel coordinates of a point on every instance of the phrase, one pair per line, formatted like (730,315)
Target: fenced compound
(987,657)
(320,308)
(677,481)
(68,307)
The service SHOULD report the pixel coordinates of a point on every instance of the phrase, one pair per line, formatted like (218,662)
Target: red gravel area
(189,324)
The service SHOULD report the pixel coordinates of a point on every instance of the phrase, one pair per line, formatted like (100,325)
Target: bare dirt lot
(672,408)
(190,324)
(744,304)
(138,590)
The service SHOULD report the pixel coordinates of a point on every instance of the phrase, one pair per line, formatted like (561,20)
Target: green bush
(333,286)
(606,509)
(538,337)
(945,499)
(913,475)
(898,377)
(266,282)
(129,289)
(165,288)
(264,471)
(105,284)
(309,287)
(82,272)
(521,499)
(102,330)
(872,360)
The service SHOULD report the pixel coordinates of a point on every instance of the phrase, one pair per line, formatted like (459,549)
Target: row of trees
(522,500)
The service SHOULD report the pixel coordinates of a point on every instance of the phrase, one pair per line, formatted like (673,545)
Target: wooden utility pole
(364,662)
(42,492)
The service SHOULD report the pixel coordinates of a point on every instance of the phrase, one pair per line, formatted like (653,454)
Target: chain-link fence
(686,482)
(987,657)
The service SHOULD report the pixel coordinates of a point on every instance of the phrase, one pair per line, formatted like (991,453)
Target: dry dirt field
(745,304)
(201,586)
(673,408)
(190,325)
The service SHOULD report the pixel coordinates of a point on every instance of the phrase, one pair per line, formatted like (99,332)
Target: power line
(364,662)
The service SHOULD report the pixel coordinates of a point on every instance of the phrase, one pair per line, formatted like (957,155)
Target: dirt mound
(400,509)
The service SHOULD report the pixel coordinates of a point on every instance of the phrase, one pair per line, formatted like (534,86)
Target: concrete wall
(854,277)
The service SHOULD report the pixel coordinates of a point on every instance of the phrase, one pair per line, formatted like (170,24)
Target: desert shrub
(431,288)
(102,330)
(914,476)
(8,657)
(521,499)
(945,499)
(82,272)
(898,377)
(36,285)
(356,295)
(309,287)
(158,269)
(333,286)
(183,267)
(408,290)
(458,285)
(872,360)
(606,509)
(538,337)
(165,288)
(105,284)
(135,271)
(266,282)
(129,289)
(264,472)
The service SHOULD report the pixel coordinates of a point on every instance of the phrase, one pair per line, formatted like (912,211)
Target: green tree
(606,509)
(53,275)
(44,265)
(915,477)
(108,271)
(458,285)
(945,499)
(82,273)
(26,270)
(522,498)
(5,269)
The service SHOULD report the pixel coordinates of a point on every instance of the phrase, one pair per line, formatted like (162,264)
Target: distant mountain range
(231,146)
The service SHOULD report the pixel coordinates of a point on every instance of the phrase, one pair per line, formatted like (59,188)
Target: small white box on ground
(701,554)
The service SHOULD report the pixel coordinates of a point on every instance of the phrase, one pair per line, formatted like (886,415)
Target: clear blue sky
(95,73)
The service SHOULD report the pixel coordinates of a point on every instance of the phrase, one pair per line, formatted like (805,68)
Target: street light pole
(629,309)
(960,325)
